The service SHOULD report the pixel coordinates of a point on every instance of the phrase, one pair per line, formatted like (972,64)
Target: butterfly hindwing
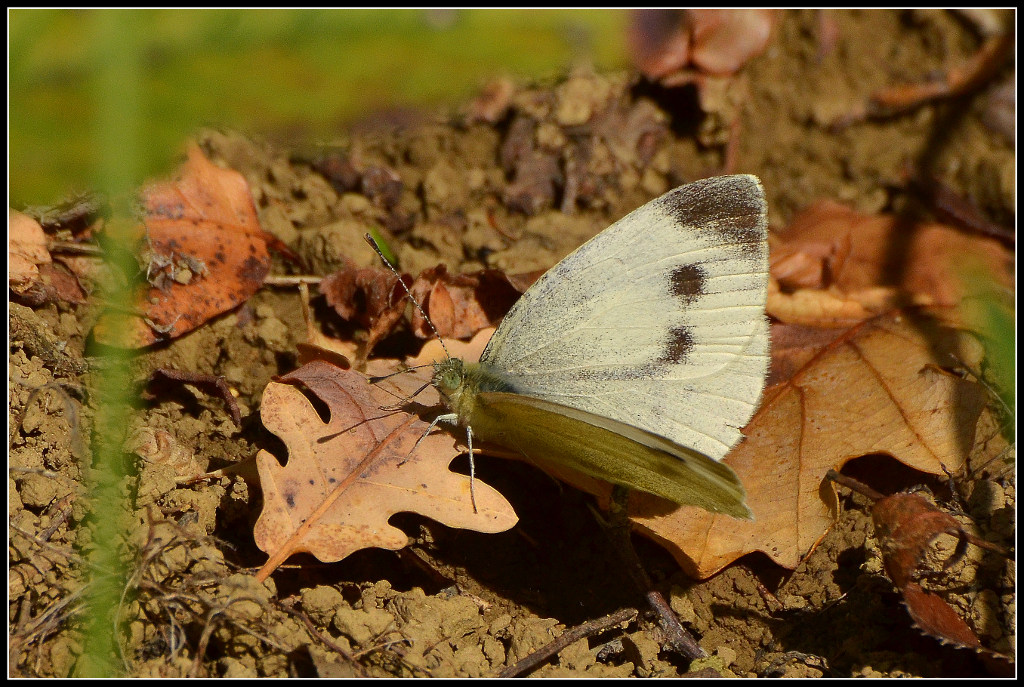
(657,323)
(544,432)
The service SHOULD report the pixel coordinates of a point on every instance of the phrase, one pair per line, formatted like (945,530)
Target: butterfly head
(459,382)
(450,381)
(449,375)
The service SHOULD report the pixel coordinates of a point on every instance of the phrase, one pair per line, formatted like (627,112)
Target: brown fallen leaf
(206,253)
(348,474)
(815,307)
(906,525)
(879,388)
(800,263)
(793,347)
(663,42)
(33,274)
(460,305)
(853,254)
(368,296)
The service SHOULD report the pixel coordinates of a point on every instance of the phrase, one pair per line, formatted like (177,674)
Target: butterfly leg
(447,418)
(472,468)
(452,419)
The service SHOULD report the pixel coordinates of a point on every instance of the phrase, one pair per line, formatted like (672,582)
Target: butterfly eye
(448,375)
(451,379)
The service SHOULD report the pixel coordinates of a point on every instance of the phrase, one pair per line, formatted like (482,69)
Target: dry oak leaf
(854,253)
(906,525)
(347,475)
(877,389)
(206,253)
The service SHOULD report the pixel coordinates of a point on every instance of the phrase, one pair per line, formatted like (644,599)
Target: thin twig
(291,279)
(75,248)
(327,642)
(853,485)
(577,633)
(217,382)
(678,637)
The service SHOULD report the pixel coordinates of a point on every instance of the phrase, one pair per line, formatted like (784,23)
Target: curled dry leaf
(879,388)
(460,305)
(347,474)
(906,524)
(724,39)
(33,275)
(663,42)
(368,296)
(206,253)
(831,245)
(816,307)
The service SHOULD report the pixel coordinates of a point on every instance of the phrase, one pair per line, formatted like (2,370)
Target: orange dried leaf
(815,308)
(207,253)
(935,617)
(348,474)
(793,347)
(725,39)
(459,305)
(854,252)
(664,42)
(878,388)
(906,524)
(659,42)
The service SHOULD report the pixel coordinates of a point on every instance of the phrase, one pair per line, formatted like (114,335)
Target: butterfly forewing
(657,322)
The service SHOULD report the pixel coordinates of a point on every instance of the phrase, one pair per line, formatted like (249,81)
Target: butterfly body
(640,356)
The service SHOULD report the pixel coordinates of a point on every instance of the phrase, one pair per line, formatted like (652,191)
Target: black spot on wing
(687,282)
(677,346)
(734,206)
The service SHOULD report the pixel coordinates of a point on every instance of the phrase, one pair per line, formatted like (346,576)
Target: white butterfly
(640,356)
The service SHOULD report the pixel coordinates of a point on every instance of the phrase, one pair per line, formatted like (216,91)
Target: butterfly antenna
(381,378)
(376,249)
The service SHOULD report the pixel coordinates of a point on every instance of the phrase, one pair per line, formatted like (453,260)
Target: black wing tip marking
(732,205)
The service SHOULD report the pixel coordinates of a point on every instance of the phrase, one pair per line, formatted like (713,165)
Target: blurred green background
(132,85)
